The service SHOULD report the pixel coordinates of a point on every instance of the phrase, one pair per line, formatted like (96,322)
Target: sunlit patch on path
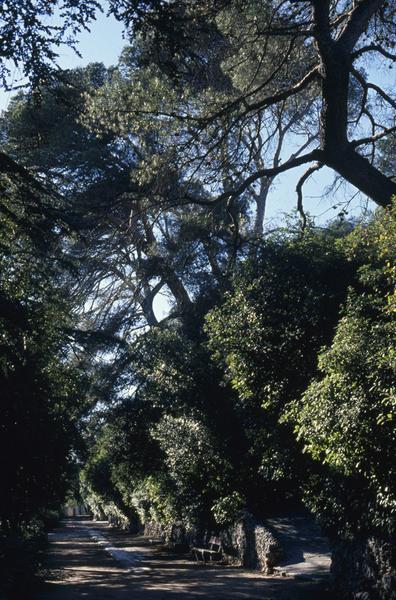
(130,555)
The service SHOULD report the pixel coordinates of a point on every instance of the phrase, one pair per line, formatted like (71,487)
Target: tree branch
(315,155)
(372,86)
(11,167)
(373,48)
(357,22)
(373,138)
(299,187)
(285,94)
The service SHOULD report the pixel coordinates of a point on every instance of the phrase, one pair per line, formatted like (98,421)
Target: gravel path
(94,562)
(307,552)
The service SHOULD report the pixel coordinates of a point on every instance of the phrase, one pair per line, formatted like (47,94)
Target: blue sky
(103,43)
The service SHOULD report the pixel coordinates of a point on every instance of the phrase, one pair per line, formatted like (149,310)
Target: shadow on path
(81,567)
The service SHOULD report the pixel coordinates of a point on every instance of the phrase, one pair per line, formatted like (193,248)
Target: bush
(346,416)
(226,509)
(21,552)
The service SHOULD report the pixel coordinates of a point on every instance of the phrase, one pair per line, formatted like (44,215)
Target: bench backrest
(215,544)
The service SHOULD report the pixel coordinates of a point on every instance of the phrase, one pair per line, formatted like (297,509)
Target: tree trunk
(261,203)
(338,153)
(362,174)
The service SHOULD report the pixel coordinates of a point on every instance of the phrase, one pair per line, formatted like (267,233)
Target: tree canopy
(268,379)
(239,91)
(275,72)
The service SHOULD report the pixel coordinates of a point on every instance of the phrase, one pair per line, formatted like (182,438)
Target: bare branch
(315,155)
(373,138)
(299,187)
(373,48)
(372,86)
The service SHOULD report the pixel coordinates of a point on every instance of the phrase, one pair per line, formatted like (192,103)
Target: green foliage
(32,30)
(45,133)
(43,391)
(196,469)
(185,445)
(153,500)
(158,453)
(346,418)
(226,510)
(21,553)
(42,381)
(282,310)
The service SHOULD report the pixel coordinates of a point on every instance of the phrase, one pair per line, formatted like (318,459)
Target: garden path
(92,561)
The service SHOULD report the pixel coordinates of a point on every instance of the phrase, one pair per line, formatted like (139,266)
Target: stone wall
(245,543)
(268,549)
(365,570)
(115,517)
(157,531)
(174,535)
(251,545)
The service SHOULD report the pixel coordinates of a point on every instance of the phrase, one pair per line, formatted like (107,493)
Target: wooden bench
(213,551)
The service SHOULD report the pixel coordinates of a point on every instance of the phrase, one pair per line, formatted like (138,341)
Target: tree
(346,416)
(39,381)
(43,384)
(32,31)
(290,51)
(126,251)
(283,307)
(43,377)
(287,53)
(129,249)
(166,445)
